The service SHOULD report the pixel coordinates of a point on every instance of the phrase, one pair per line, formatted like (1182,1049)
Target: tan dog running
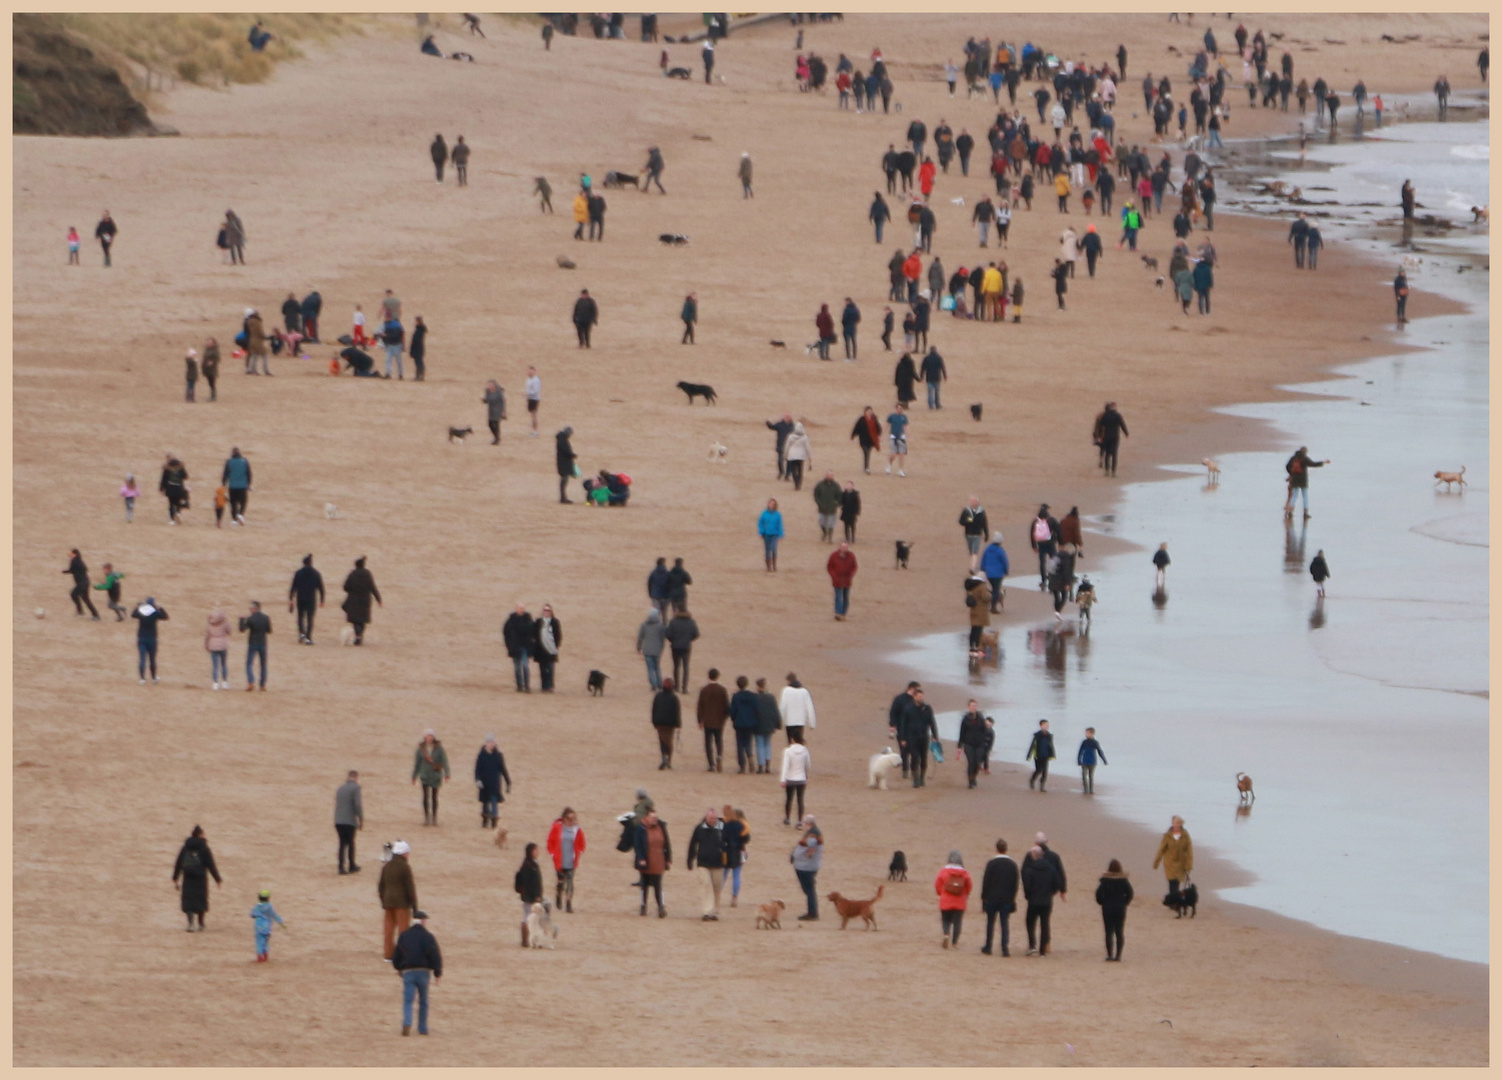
(1450,478)
(769,915)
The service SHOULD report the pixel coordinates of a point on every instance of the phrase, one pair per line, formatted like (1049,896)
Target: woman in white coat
(1069,242)
(799,456)
(797,708)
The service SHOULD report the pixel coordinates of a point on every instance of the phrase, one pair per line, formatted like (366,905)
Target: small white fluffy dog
(882,767)
(330,511)
(719,453)
(541,933)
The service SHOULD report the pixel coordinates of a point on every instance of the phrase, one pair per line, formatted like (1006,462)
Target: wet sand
(341,197)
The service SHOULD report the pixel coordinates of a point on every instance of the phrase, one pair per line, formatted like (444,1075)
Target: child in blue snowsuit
(263,913)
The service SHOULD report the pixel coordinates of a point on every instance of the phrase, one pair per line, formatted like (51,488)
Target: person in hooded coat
(906,378)
(190,875)
(490,772)
(1113,894)
(359,589)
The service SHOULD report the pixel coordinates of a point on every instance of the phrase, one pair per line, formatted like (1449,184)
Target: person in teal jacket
(769,526)
(263,913)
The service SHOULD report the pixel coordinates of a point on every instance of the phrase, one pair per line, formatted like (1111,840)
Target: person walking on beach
(563,461)
(768,723)
(712,710)
(1041,881)
(459,155)
(934,373)
(129,492)
(547,639)
(1110,426)
(105,233)
(953,886)
(796,707)
(972,739)
(518,634)
(566,845)
(827,502)
(654,857)
(439,152)
(681,633)
(850,317)
(1040,752)
(1160,564)
(1088,752)
(147,615)
(769,528)
(359,590)
(544,192)
(995,566)
(850,509)
(690,315)
(808,856)
(1319,570)
(1400,291)
(349,818)
(1298,236)
(842,567)
(1043,536)
(306,596)
(867,432)
(744,173)
(80,594)
(1297,467)
(650,636)
(975,525)
(743,720)
(430,764)
(216,643)
(264,915)
(998,896)
(586,317)
(258,625)
(398,895)
(236,476)
(174,485)
(977,600)
(1113,894)
(1313,242)
(490,774)
(190,876)
(706,846)
(897,421)
(418,960)
(919,729)
(1176,856)
(110,586)
(234,236)
(667,719)
(1442,95)
(880,213)
(782,429)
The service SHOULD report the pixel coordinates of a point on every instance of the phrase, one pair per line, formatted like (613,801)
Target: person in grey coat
(495,410)
(349,818)
(650,636)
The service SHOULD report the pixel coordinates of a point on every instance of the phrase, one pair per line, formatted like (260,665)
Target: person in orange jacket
(953,886)
(912,271)
(926,173)
(566,844)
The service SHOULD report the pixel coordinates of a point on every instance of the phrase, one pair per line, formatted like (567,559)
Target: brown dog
(1449,478)
(856,909)
(768,915)
(500,837)
(1244,785)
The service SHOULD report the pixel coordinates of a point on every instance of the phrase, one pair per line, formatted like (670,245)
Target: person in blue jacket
(744,717)
(769,527)
(994,564)
(236,477)
(263,913)
(1088,752)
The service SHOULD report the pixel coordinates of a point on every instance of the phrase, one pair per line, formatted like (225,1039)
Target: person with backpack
(998,896)
(953,886)
(1040,752)
(190,876)
(1043,536)
(1297,467)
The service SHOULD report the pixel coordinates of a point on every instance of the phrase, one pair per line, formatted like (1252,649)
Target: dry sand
(327,166)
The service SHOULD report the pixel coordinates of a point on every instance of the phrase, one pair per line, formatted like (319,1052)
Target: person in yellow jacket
(581,214)
(1176,855)
(991,288)
(1062,188)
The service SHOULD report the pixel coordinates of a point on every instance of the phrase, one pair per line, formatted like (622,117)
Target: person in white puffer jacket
(797,707)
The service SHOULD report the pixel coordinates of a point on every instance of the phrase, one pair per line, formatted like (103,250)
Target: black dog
(679,73)
(898,870)
(693,390)
(904,549)
(615,179)
(1186,899)
(975,413)
(673,239)
(458,434)
(597,683)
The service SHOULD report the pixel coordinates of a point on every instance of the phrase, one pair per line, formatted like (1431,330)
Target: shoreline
(456,535)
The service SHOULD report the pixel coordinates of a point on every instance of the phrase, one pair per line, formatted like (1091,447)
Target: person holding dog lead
(1176,856)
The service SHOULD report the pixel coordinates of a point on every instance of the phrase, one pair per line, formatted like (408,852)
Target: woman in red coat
(842,567)
(926,173)
(953,886)
(566,844)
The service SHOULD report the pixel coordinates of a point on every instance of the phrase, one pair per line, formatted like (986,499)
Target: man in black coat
(586,315)
(1109,428)
(440,154)
(1040,751)
(292,314)
(917,134)
(417,959)
(565,462)
(998,896)
(889,166)
(783,428)
(307,587)
(518,631)
(678,581)
(1090,244)
(80,593)
(706,847)
(1040,881)
(897,720)
(918,729)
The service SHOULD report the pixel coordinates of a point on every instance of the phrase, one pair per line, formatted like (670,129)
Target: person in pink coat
(216,641)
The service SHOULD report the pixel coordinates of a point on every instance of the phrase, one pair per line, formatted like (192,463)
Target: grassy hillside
(61,87)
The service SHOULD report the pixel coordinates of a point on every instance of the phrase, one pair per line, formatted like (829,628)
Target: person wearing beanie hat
(1091,246)
(953,887)
(398,893)
(264,914)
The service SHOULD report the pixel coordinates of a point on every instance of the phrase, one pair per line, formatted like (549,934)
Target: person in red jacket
(953,886)
(566,844)
(926,173)
(824,323)
(842,567)
(912,270)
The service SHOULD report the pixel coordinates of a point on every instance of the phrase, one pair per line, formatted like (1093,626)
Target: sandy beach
(327,165)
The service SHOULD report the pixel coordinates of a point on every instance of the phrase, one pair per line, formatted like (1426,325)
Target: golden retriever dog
(768,916)
(856,909)
(1450,478)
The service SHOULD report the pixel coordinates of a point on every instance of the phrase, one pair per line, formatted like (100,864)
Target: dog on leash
(672,239)
(768,916)
(897,871)
(865,910)
(693,390)
(458,434)
(541,933)
(1150,262)
(718,453)
(614,179)
(1213,467)
(1187,900)
(596,683)
(904,549)
(1244,785)
(1450,478)
(882,767)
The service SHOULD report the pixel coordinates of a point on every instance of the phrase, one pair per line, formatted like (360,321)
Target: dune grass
(210,49)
